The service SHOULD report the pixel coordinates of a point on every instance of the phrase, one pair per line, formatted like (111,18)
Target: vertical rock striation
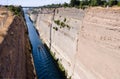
(90,47)
(15,52)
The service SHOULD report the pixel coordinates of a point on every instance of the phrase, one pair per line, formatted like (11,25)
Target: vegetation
(53,5)
(86,3)
(61,24)
(68,26)
(57,22)
(57,5)
(34,12)
(55,28)
(16,10)
(57,63)
(64,19)
(118,4)
(65,5)
(112,2)
(74,3)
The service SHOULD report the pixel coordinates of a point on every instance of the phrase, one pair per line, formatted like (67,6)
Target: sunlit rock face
(99,44)
(87,42)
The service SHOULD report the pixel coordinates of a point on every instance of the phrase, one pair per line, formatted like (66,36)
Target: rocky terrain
(6,19)
(98,55)
(86,42)
(15,50)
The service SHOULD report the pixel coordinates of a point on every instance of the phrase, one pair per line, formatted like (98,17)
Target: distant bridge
(30,7)
(37,7)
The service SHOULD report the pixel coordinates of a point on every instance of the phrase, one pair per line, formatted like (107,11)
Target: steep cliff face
(64,40)
(85,42)
(15,52)
(98,55)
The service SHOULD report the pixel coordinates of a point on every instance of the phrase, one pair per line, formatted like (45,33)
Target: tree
(112,2)
(74,3)
(65,4)
(94,2)
(16,10)
(119,3)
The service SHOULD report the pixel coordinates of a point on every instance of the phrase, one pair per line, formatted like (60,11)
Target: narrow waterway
(44,63)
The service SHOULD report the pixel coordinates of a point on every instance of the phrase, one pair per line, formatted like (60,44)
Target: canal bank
(90,45)
(45,65)
(15,51)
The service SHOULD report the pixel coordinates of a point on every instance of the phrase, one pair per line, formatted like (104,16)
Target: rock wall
(15,52)
(98,55)
(90,48)
(3,16)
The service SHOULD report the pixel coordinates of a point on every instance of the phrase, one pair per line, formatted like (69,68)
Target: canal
(45,65)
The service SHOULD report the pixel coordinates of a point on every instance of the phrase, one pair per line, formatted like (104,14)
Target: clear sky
(31,2)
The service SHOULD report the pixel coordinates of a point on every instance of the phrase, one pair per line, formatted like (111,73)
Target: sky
(31,2)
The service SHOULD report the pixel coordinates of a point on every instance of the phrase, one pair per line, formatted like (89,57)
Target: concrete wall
(90,49)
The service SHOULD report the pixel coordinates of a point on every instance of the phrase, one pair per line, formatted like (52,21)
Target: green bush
(68,26)
(86,3)
(34,12)
(57,22)
(65,5)
(105,4)
(15,10)
(55,28)
(112,2)
(74,3)
(118,3)
(64,19)
(93,3)
(61,24)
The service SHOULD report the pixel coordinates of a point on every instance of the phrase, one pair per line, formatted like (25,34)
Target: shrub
(34,12)
(112,2)
(94,3)
(63,24)
(105,4)
(74,3)
(64,19)
(57,22)
(118,3)
(68,26)
(65,5)
(55,28)
(15,10)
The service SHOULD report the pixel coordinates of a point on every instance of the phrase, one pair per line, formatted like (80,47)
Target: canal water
(43,61)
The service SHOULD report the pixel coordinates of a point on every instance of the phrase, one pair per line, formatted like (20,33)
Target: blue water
(44,64)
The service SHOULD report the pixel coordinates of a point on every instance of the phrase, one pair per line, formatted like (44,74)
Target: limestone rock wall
(90,48)
(64,40)
(3,16)
(98,55)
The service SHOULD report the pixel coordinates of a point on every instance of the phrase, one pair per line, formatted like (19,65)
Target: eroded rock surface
(15,52)
(90,48)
